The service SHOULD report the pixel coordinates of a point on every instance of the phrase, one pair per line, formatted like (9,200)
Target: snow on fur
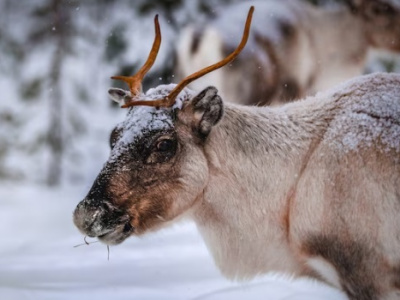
(142,119)
(371,116)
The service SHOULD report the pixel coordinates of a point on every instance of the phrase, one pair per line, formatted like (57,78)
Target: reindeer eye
(163,150)
(165,145)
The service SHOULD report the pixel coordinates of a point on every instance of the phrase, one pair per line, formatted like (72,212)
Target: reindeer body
(309,188)
(295,49)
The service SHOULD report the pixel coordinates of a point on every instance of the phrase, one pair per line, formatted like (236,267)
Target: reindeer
(309,188)
(295,49)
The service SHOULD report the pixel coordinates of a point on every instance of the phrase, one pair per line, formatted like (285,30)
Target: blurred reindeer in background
(295,49)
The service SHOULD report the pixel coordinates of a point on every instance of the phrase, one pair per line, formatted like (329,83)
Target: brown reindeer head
(381,19)
(157,169)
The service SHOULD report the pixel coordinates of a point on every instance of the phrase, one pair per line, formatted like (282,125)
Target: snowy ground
(38,260)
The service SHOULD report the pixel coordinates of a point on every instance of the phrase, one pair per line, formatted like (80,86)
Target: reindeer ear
(207,108)
(119,95)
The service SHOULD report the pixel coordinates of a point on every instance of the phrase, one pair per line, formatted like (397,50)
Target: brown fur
(351,264)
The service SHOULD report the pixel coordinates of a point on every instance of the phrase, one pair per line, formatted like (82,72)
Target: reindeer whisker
(85,243)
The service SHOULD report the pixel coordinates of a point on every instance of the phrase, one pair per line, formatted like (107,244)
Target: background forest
(57,57)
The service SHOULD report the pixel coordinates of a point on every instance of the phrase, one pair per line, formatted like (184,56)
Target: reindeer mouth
(110,225)
(117,235)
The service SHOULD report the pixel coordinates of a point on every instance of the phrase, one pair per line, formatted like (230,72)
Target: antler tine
(135,81)
(169,100)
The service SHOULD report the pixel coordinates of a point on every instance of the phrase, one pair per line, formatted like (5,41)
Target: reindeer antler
(169,100)
(135,81)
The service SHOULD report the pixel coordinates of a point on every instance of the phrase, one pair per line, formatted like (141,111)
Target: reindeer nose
(89,217)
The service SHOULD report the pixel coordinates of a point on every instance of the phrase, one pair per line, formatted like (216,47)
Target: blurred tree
(12,52)
(53,24)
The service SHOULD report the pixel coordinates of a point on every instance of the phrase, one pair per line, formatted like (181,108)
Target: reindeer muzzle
(102,220)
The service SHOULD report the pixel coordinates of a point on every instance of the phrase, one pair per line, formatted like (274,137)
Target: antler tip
(251,10)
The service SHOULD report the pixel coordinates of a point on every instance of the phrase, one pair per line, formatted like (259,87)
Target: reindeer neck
(255,157)
(251,146)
